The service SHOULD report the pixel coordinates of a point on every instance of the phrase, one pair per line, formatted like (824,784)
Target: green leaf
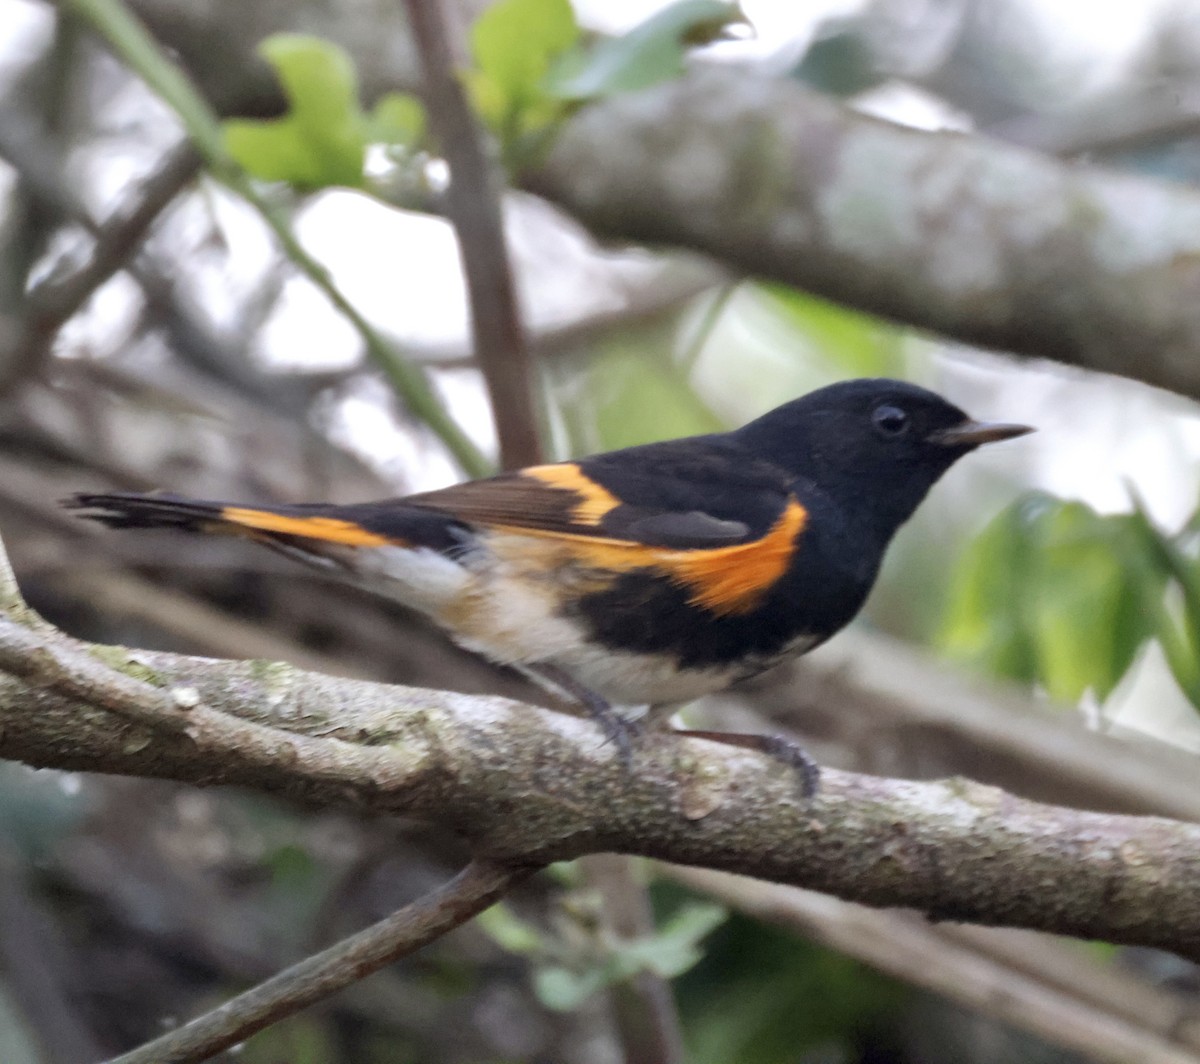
(1140,604)
(1181,649)
(1079,596)
(322,139)
(514,43)
(676,948)
(508,931)
(985,626)
(668,953)
(1055,594)
(651,52)
(399,119)
(563,990)
(839,61)
(291,866)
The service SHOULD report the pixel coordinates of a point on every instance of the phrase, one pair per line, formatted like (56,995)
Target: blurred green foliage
(534,65)
(761,996)
(322,140)
(578,961)
(531,66)
(1054,594)
(514,44)
(839,61)
(651,52)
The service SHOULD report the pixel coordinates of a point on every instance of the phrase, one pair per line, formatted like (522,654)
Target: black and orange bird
(647,576)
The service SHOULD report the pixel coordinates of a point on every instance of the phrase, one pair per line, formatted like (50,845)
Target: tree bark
(529,786)
(973,239)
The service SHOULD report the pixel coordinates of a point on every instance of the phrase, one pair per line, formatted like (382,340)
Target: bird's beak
(973,433)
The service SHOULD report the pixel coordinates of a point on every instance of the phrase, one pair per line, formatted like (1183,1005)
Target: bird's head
(875,446)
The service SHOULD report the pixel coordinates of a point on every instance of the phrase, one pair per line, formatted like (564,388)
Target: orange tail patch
(329,529)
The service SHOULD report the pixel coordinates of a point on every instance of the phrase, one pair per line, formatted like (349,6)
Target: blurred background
(1036,625)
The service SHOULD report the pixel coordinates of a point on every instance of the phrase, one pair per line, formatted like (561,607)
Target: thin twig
(644,1011)
(473,205)
(35,960)
(130,41)
(54,301)
(474,889)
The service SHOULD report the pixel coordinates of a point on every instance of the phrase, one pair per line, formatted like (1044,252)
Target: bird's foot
(777,747)
(618,730)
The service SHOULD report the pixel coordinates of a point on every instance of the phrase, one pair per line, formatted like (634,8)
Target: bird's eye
(890,420)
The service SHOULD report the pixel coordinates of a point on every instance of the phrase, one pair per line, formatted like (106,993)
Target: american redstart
(650,575)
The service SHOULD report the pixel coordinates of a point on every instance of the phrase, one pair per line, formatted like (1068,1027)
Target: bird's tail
(130,510)
(320,522)
(313,531)
(315,534)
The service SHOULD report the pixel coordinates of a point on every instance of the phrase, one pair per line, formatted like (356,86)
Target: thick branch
(979,241)
(969,237)
(527,785)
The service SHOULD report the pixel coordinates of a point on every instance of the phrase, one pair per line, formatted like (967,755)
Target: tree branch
(55,300)
(473,205)
(529,786)
(474,889)
(1046,986)
(974,239)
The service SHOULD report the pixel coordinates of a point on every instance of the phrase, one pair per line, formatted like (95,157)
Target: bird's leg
(617,729)
(777,747)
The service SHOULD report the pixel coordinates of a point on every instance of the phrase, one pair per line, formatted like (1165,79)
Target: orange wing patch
(725,580)
(595,501)
(734,579)
(330,529)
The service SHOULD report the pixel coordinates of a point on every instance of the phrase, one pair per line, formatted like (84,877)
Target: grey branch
(528,786)
(1045,985)
(974,239)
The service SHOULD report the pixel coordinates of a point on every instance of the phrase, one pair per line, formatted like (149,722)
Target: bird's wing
(725,534)
(672,498)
